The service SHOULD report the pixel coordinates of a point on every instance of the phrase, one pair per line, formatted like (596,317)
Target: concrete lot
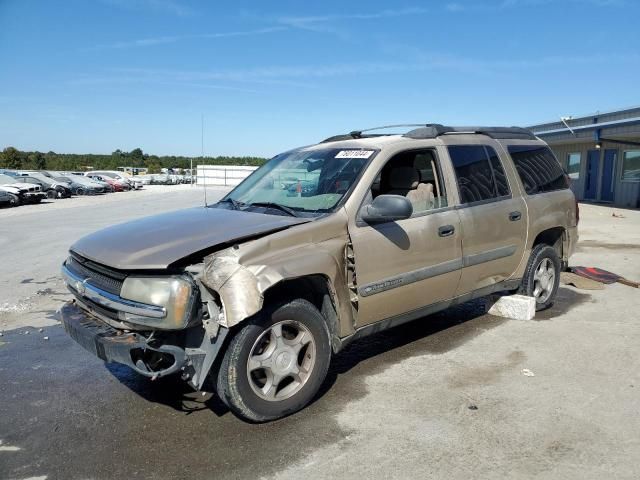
(395,405)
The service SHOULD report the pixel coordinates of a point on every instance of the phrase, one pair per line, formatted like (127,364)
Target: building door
(607,193)
(591,182)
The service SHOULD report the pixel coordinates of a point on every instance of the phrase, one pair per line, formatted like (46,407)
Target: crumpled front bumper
(112,345)
(190,352)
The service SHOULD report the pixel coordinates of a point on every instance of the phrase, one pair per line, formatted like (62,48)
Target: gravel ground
(443,397)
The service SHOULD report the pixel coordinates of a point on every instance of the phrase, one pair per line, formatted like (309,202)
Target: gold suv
(322,245)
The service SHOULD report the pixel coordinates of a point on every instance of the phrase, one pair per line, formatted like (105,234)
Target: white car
(135,184)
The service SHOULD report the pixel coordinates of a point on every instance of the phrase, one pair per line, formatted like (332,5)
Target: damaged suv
(322,245)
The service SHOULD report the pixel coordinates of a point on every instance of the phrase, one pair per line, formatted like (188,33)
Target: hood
(154,243)
(14,187)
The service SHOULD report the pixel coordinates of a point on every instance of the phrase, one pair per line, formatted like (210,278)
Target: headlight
(175,294)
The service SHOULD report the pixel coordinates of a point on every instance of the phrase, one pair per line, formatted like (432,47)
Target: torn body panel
(243,274)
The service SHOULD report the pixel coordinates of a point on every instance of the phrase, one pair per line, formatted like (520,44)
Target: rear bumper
(119,346)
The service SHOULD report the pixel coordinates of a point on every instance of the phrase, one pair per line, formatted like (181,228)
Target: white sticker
(354,153)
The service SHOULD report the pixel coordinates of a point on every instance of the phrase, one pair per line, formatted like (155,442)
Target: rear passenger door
(493,216)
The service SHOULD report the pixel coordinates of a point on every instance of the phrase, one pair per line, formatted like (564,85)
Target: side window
(415,175)
(502,184)
(479,173)
(538,169)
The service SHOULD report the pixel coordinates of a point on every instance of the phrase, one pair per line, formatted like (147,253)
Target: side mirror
(387,208)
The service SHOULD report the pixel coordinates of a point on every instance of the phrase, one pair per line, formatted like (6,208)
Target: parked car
(116,184)
(51,187)
(80,185)
(252,296)
(132,185)
(8,199)
(24,193)
(106,187)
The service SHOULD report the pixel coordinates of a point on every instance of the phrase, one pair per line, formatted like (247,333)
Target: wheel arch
(315,288)
(555,237)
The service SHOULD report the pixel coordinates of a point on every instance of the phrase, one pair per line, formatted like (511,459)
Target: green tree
(36,161)
(12,158)
(137,157)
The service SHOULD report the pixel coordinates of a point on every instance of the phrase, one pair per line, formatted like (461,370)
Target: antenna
(564,120)
(204,173)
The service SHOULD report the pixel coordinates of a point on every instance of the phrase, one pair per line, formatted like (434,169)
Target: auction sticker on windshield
(354,153)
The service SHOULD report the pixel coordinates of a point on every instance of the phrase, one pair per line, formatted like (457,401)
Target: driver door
(403,266)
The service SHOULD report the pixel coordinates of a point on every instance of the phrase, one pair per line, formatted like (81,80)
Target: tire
(52,194)
(80,192)
(14,200)
(247,386)
(542,276)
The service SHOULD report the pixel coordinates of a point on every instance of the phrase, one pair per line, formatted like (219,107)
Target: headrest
(404,178)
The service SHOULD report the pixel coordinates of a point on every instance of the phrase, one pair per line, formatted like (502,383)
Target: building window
(631,166)
(573,165)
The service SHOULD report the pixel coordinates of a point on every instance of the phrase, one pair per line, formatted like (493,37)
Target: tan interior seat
(422,198)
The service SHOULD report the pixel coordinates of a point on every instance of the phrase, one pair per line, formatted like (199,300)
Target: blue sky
(96,75)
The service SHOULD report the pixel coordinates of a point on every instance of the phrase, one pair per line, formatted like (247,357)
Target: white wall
(222,175)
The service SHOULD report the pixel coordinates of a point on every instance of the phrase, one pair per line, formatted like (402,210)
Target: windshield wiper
(234,203)
(276,206)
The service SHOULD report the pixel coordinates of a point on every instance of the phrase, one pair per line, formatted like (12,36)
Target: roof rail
(359,133)
(434,130)
(501,133)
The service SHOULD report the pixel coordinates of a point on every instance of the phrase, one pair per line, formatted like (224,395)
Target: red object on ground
(603,276)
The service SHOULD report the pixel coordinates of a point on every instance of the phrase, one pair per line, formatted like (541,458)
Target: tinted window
(479,173)
(502,184)
(538,168)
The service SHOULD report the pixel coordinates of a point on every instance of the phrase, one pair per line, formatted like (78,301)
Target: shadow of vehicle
(436,334)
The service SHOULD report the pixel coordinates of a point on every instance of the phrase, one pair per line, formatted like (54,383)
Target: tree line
(12,158)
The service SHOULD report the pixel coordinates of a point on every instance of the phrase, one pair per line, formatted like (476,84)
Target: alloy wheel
(544,280)
(281,360)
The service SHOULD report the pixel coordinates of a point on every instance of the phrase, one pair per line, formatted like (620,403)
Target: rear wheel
(542,276)
(276,363)
(52,194)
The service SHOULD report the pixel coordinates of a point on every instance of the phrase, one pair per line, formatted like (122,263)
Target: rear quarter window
(538,169)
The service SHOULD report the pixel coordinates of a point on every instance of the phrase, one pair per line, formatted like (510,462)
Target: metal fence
(222,175)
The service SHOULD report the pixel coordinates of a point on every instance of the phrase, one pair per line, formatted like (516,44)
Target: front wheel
(542,276)
(276,363)
(14,200)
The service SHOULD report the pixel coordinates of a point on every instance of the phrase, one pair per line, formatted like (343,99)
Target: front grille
(99,309)
(97,275)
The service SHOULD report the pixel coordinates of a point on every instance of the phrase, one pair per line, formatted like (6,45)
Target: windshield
(5,179)
(303,181)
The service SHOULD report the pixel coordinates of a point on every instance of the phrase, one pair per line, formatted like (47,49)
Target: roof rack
(501,133)
(434,130)
(359,133)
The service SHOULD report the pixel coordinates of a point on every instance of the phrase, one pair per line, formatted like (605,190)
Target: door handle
(446,230)
(515,216)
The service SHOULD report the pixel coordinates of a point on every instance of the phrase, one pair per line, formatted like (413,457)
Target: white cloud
(167,39)
(323,22)
(172,7)
(416,61)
